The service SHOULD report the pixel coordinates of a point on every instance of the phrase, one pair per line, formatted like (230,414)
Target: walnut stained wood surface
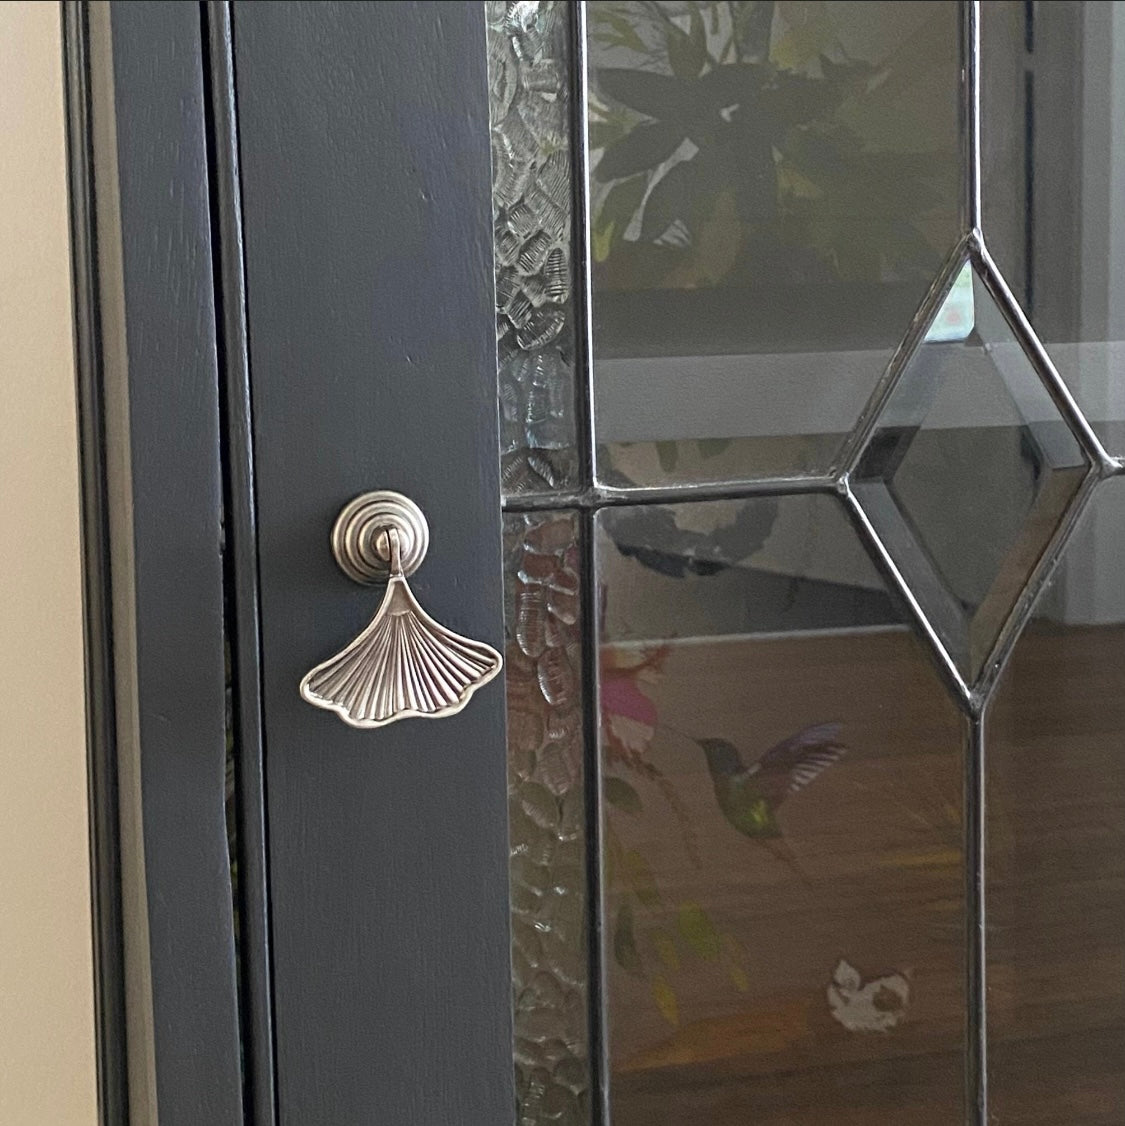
(877,840)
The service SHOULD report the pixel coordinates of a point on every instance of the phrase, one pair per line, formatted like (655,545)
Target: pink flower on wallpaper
(628,715)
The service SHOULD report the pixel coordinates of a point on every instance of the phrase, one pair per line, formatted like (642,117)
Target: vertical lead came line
(584,379)
(584,303)
(976,1027)
(1029,188)
(970,115)
(976,1032)
(591,714)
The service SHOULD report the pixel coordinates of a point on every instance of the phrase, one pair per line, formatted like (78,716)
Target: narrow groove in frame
(976,1024)
(240,569)
(101,720)
(597,1014)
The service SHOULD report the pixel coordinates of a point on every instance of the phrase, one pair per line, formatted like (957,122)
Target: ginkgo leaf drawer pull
(404,663)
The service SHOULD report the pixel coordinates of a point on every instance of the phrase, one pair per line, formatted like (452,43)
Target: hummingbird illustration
(750,796)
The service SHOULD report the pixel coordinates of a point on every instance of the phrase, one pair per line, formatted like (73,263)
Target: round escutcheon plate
(359,540)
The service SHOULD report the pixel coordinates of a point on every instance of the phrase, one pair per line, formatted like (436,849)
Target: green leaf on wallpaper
(641,149)
(753,25)
(687,51)
(684,193)
(624,34)
(665,997)
(640,878)
(615,214)
(619,793)
(803,42)
(695,925)
(668,454)
(665,946)
(612,856)
(712,447)
(606,131)
(625,942)
(734,959)
(738,977)
(655,95)
(601,239)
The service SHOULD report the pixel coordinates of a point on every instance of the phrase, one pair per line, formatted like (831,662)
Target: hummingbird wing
(794,762)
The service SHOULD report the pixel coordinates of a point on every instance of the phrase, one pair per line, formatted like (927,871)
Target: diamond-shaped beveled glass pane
(968,473)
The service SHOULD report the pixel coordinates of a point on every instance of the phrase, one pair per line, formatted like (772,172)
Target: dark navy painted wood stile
(367,226)
(283,264)
(148,401)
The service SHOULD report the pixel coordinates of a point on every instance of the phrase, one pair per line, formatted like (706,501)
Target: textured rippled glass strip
(547,813)
(529,68)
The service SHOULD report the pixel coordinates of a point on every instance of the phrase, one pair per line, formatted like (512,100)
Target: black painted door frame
(281,221)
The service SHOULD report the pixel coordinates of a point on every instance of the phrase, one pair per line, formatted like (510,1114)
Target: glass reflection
(773,187)
(1054,180)
(968,474)
(782,826)
(1056,843)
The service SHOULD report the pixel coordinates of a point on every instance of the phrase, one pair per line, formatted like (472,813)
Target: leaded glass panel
(860,469)
(1054,168)
(1056,843)
(968,474)
(782,777)
(772,189)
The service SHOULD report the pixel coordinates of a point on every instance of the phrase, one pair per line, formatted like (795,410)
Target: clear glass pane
(529,56)
(547,819)
(773,188)
(1054,179)
(969,473)
(1056,844)
(782,825)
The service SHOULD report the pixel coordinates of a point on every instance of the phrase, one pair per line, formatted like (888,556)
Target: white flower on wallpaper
(872,1006)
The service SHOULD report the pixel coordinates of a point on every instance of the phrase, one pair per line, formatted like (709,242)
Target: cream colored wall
(47,1069)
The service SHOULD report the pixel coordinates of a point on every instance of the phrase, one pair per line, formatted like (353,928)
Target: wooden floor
(740,1030)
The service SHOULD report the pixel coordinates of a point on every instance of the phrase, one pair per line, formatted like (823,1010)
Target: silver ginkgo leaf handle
(404,663)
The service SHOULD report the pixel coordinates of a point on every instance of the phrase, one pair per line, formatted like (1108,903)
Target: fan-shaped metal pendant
(404,663)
